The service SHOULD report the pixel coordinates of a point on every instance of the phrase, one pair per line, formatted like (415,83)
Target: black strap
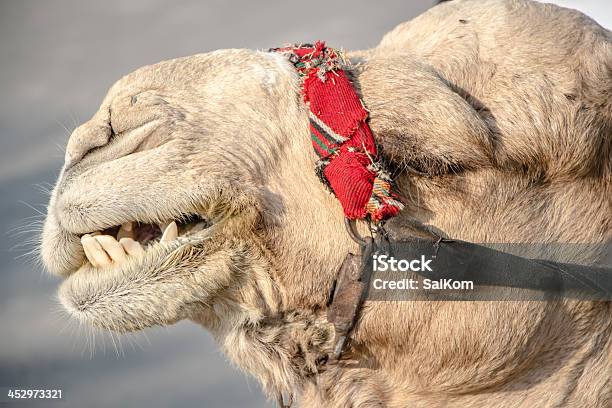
(485,266)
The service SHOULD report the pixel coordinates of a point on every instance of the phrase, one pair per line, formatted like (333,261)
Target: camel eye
(133,100)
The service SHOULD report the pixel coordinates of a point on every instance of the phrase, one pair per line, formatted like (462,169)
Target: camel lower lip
(92,295)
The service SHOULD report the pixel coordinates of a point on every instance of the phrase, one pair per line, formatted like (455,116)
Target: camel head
(215,143)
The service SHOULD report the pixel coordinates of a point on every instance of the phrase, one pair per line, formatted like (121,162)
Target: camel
(191,194)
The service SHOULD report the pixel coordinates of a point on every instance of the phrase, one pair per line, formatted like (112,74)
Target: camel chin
(145,159)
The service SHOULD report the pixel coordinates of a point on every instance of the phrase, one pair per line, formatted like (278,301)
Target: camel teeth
(125,231)
(170,232)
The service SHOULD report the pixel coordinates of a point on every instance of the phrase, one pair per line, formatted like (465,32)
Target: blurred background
(57,59)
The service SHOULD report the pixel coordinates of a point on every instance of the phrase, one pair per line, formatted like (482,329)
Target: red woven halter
(341,136)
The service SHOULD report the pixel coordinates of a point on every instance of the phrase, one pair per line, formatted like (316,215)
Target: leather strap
(348,295)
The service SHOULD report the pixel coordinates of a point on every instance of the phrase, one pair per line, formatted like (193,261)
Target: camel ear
(419,120)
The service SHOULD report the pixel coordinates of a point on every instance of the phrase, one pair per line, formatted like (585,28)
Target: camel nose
(84,139)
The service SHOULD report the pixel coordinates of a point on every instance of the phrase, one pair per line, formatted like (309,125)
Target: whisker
(32,207)
(68,131)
